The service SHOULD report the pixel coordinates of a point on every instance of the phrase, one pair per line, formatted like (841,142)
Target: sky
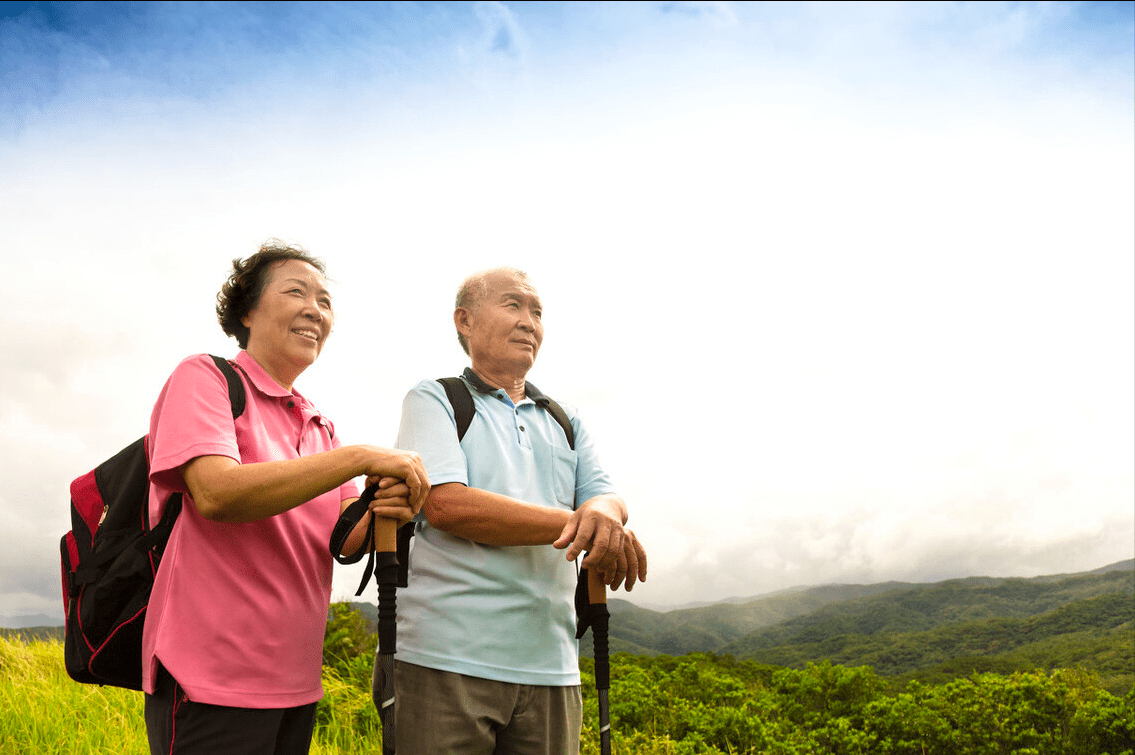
(844,291)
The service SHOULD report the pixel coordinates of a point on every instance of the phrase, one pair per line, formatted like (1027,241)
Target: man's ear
(463,321)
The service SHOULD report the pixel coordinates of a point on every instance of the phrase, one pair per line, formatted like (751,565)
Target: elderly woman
(233,638)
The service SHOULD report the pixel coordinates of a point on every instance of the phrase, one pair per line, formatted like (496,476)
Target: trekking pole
(600,616)
(386,571)
(591,611)
(382,545)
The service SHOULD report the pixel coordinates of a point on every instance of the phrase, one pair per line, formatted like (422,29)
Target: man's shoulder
(428,398)
(436,388)
(429,385)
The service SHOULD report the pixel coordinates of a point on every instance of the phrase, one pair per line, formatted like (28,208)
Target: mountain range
(901,629)
(742,628)
(910,630)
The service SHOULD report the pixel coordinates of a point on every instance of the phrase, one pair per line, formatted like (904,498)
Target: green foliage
(699,704)
(349,643)
(989,714)
(702,703)
(824,691)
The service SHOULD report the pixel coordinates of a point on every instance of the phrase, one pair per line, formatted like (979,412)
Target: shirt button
(291,404)
(522,428)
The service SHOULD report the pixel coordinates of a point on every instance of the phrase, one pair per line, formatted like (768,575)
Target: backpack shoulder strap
(236,386)
(560,416)
(461,401)
(463,409)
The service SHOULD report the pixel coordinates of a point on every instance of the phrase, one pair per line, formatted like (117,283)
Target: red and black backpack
(110,557)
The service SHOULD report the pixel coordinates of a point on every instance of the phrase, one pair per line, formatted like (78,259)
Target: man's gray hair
(475,288)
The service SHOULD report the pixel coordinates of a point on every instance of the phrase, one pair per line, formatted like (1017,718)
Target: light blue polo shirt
(502,613)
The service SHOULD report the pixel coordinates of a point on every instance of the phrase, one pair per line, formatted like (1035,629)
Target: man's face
(505,329)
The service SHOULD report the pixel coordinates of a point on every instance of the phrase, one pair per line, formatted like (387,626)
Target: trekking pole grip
(596,590)
(385,535)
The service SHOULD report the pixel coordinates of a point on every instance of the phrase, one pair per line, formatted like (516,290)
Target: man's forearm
(491,518)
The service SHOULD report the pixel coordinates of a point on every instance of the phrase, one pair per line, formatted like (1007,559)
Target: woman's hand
(401,478)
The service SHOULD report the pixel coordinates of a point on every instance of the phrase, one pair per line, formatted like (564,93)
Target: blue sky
(846,290)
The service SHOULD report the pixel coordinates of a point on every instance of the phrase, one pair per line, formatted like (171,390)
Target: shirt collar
(260,378)
(530,391)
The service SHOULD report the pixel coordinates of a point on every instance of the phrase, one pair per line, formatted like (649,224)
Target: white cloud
(844,292)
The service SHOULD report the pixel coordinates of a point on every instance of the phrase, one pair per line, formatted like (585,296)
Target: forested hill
(986,623)
(642,631)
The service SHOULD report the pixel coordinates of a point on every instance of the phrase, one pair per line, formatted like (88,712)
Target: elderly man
(488,663)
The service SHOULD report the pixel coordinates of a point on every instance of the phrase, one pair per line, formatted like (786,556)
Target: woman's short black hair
(242,290)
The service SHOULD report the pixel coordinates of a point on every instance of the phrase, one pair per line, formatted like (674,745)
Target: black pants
(175,725)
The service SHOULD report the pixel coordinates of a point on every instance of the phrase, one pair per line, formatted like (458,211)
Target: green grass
(42,711)
(695,704)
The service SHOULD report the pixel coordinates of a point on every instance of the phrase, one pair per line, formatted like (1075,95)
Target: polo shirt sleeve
(348,490)
(429,429)
(591,479)
(192,417)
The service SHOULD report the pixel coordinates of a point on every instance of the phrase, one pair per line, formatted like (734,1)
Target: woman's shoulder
(200,361)
(196,369)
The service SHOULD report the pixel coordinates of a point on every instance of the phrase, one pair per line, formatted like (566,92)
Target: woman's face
(290,323)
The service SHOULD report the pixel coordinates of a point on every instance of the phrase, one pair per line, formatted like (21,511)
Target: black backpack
(110,557)
(463,411)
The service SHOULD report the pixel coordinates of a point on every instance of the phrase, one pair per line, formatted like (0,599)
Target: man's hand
(392,500)
(613,551)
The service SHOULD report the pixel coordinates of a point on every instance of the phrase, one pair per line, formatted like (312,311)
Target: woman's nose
(313,311)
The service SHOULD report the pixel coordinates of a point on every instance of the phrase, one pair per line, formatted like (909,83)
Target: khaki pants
(442,712)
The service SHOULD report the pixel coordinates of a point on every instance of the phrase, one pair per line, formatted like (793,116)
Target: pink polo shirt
(238,611)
